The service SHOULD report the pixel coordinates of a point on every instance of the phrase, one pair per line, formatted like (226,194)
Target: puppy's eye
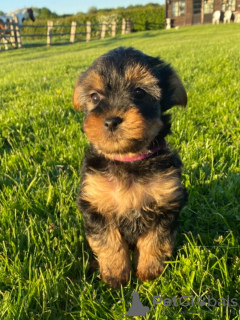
(95,98)
(139,93)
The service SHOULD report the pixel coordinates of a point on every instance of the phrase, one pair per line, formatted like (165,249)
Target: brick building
(189,12)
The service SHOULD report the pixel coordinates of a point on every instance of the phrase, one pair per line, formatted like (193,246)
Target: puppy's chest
(109,194)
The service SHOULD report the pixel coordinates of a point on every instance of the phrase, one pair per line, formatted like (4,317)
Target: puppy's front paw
(149,268)
(115,274)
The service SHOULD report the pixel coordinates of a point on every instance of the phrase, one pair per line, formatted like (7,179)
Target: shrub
(143,18)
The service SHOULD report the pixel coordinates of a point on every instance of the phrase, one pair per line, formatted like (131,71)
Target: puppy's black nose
(112,123)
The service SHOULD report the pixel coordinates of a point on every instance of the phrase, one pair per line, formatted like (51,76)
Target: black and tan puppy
(131,193)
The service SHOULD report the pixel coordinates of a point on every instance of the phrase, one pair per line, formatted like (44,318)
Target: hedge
(143,19)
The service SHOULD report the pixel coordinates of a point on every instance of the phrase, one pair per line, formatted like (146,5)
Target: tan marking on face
(134,124)
(94,128)
(139,75)
(132,127)
(95,81)
(92,83)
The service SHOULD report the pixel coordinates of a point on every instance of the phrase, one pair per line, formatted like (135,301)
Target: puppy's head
(123,95)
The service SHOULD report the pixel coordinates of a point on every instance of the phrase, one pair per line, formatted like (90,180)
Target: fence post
(18,34)
(12,33)
(88,31)
(103,32)
(73,31)
(168,23)
(114,27)
(5,42)
(128,26)
(49,32)
(123,26)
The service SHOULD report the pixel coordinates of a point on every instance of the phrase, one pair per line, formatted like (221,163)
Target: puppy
(131,192)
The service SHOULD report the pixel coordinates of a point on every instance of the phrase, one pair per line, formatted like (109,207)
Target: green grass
(43,252)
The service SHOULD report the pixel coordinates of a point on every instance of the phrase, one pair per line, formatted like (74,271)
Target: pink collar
(142,156)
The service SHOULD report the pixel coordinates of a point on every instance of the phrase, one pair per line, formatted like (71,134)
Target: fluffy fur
(129,205)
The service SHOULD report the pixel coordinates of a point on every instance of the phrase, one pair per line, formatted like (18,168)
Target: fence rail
(11,34)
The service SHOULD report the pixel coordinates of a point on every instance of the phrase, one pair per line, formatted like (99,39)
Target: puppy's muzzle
(112,123)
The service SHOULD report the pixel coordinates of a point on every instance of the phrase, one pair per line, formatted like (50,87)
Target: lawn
(44,256)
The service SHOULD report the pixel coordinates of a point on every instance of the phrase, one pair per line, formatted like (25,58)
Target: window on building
(228,5)
(178,8)
(208,6)
(197,5)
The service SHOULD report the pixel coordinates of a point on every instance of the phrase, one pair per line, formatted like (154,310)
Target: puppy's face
(123,95)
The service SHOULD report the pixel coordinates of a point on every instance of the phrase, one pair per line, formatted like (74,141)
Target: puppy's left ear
(173,91)
(76,99)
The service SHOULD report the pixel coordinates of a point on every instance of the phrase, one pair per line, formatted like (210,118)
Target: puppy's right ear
(173,91)
(76,96)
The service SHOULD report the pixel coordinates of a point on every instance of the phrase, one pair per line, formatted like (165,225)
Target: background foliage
(148,17)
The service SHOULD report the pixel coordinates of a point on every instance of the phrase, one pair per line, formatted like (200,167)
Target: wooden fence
(12,33)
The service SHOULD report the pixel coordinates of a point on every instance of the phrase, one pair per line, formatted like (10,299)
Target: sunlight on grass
(44,257)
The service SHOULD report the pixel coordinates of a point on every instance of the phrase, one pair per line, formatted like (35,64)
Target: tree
(44,13)
(153,4)
(92,10)
(137,6)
